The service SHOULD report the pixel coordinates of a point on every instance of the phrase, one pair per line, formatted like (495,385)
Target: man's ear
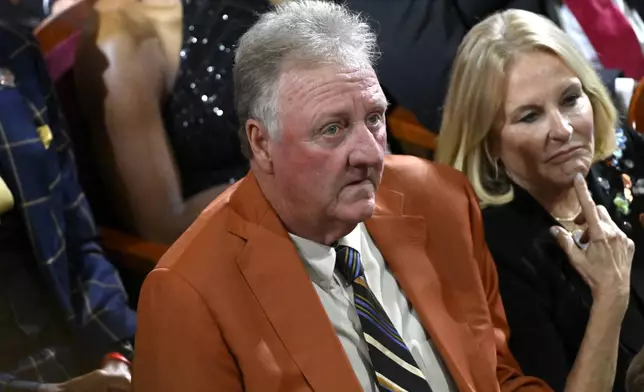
(258,142)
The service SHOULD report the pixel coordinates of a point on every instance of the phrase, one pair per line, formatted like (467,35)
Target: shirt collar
(319,259)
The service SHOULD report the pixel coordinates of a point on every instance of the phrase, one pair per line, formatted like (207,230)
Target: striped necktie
(393,364)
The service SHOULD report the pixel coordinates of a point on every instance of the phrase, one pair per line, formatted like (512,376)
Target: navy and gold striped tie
(395,368)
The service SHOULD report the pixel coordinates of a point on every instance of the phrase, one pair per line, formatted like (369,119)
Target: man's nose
(368,149)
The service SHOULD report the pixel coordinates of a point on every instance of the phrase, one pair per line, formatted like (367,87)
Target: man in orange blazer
(329,267)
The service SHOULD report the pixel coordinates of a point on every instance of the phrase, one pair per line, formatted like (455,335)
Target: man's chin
(359,211)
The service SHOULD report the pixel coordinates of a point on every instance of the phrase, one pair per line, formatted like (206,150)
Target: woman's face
(548,129)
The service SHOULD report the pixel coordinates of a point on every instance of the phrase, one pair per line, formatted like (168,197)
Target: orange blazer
(230,307)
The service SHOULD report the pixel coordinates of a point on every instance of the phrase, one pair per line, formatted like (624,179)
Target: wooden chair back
(414,138)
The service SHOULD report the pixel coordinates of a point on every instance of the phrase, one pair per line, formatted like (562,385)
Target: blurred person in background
(155,77)
(65,324)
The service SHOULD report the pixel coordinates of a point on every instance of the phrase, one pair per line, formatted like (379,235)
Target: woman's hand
(605,263)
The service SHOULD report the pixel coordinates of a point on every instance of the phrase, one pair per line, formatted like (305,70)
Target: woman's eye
(571,100)
(529,118)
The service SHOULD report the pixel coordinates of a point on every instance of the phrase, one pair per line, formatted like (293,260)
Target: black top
(199,115)
(546,301)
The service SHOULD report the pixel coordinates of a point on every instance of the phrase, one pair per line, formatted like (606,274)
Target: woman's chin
(567,178)
(565,173)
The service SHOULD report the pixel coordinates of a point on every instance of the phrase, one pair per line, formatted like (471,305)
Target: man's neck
(328,237)
(311,227)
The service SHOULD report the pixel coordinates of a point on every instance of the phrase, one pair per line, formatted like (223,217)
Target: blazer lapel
(273,269)
(402,241)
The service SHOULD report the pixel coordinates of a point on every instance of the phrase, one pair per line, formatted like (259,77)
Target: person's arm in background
(125,80)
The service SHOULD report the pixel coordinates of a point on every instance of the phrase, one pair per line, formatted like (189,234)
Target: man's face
(328,158)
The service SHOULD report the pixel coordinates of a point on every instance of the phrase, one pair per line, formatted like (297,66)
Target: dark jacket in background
(419,40)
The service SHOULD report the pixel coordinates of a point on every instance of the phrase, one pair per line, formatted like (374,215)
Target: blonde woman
(527,119)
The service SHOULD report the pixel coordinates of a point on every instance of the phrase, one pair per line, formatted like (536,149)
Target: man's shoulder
(428,188)
(208,237)
(403,172)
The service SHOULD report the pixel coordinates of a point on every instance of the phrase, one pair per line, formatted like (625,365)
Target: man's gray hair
(297,33)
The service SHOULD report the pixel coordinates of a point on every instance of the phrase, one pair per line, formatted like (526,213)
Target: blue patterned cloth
(42,177)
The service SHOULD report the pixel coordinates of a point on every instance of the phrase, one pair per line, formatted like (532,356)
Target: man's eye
(374,119)
(331,130)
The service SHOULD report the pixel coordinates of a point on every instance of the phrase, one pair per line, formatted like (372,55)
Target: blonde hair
(476,95)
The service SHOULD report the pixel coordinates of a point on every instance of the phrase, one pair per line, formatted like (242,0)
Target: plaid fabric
(59,222)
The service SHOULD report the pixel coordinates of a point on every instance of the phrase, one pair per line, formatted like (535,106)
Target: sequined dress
(199,115)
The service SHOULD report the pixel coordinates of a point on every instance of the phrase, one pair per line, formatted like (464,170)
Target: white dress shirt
(336,296)
(623,86)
